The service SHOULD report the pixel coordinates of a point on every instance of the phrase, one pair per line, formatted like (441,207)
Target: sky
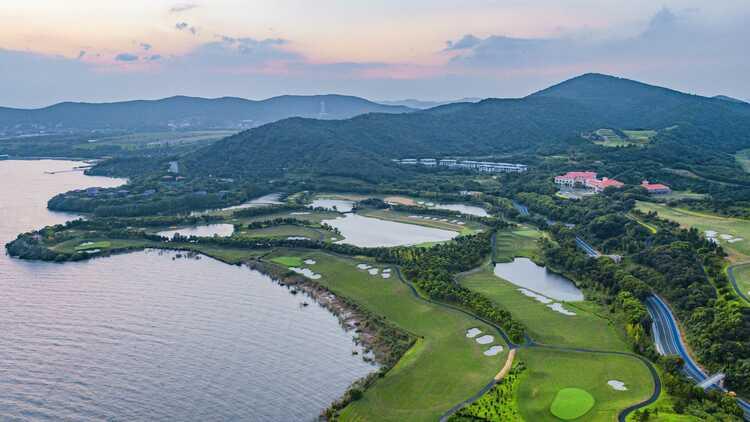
(112,50)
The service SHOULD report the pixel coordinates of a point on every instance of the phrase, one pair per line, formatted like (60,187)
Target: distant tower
(322,114)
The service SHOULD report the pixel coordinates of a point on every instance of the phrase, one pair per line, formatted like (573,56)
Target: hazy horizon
(440,50)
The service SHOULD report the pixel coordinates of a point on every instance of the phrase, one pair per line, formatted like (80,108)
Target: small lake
(523,272)
(464,209)
(207,230)
(340,205)
(372,232)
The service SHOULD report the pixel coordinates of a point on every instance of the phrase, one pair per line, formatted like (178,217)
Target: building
(484,166)
(599,185)
(655,188)
(573,178)
(429,162)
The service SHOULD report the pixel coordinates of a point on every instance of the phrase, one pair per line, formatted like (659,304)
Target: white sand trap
(461,223)
(373,271)
(386,275)
(726,236)
(492,351)
(300,213)
(617,385)
(543,299)
(420,202)
(363,266)
(558,307)
(473,332)
(711,233)
(306,272)
(444,220)
(736,239)
(86,244)
(310,262)
(485,339)
(297,238)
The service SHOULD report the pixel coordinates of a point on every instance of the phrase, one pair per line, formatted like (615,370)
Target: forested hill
(186,113)
(546,120)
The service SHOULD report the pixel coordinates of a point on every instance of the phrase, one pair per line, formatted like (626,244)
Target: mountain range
(423,105)
(184,113)
(548,119)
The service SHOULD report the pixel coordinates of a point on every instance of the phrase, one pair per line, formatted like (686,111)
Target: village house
(655,188)
(587,179)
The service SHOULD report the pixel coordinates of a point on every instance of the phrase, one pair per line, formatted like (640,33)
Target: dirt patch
(401,200)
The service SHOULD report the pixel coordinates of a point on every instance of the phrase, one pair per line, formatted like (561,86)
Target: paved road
(669,342)
(730,272)
(590,251)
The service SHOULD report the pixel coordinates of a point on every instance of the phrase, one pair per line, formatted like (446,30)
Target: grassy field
(442,369)
(585,329)
(288,231)
(742,275)
(550,371)
(157,139)
(516,243)
(468,228)
(85,244)
(738,251)
(632,137)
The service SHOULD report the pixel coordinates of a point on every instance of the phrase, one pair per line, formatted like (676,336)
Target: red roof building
(655,188)
(573,178)
(600,185)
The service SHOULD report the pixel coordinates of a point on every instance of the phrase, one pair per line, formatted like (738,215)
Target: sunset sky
(105,50)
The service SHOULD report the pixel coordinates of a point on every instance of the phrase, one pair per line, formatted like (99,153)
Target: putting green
(288,261)
(572,403)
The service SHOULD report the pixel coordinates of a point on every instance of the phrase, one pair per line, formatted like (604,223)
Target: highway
(669,342)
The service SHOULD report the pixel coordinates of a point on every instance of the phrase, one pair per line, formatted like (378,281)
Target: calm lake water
(222,230)
(143,337)
(464,209)
(372,232)
(523,272)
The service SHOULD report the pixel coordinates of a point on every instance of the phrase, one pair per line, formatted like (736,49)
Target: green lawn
(585,329)
(743,158)
(516,243)
(87,246)
(469,228)
(287,231)
(550,371)
(288,261)
(742,275)
(572,403)
(442,369)
(739,251)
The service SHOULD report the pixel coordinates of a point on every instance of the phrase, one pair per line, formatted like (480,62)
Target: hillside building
(655,188)
(586,179)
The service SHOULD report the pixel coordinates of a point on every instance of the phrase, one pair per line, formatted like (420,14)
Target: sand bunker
(297,238)
(386,275)
(306,272)
(558,307)
(485,339)
(726,236)
(492,351)
(543,299)
(473,332)
(711,233)
(300,213)
(363,266)
(373,271)
(310,262)
(617,385)
(736,239)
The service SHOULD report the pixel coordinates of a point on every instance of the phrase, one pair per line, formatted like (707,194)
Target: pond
(372,232)
(340,205)
(464,209)
(523,272)
(207,230)
(143,336)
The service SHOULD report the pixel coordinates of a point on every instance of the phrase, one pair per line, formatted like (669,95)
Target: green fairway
(442,369)
(288,231)
(550,371)
(743,158)
(742,275)
(288,261)
(469,227)
(737,228)
(87,246)
(585,329)
(571,403)
(609,138)
(510,244)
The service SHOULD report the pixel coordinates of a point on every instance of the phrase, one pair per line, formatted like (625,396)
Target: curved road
(669,342)
(530,343)
(733,280)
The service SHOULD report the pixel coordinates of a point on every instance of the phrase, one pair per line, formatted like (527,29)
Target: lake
(523,272)
(464,209)
(144,337)
(372,232)
(222,230)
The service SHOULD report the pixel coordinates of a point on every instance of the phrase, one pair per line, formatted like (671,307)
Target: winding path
(730,272)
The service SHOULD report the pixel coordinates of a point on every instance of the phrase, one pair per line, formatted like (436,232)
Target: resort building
(481,166)
(655,188)
(599,185)
(573,178)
